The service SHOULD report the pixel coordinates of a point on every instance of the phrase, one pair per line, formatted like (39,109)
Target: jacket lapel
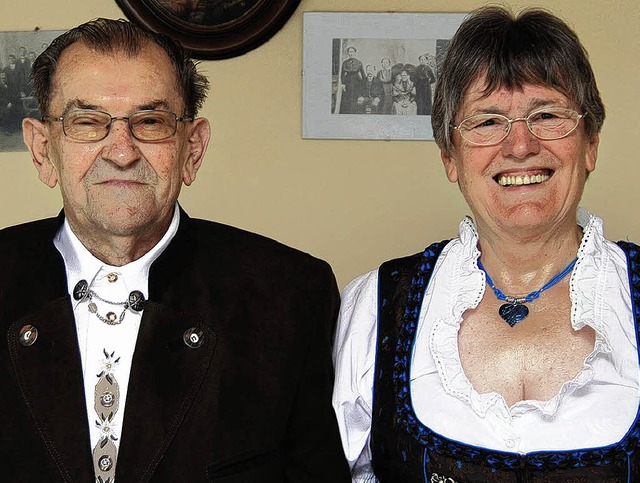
(167,372)
(173,355)
(50,378)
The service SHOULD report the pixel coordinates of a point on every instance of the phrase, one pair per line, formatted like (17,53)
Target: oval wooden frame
(250,30)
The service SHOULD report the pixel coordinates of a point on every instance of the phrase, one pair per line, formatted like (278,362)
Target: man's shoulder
(234,242)
(31,265)
(30,233)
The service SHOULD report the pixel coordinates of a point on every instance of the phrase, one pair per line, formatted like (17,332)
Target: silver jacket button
(28,335)
(193,337)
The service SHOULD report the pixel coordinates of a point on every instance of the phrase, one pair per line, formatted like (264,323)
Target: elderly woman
(509,353)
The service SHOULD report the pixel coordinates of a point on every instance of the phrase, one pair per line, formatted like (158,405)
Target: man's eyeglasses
(546,124)
(92,126)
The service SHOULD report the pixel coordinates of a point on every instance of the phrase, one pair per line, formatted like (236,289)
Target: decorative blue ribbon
(533,295)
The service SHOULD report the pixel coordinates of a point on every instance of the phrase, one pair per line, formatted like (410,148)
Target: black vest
(406,451)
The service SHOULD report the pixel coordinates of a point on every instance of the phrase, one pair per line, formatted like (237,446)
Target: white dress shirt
(102,344)
(595,408)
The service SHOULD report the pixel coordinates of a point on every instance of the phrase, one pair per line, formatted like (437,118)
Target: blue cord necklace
(514,310)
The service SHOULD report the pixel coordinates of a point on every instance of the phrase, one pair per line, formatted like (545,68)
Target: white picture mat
(319,30)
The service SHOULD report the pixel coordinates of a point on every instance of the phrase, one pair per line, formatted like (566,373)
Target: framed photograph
(371,75)
(212,29)
(18,50)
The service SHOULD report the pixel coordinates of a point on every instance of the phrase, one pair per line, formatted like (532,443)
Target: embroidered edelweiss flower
(108,365)
(107,428)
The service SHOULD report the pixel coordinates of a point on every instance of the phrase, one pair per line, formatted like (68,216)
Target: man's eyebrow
(153,105)
(147,106)
(79,104)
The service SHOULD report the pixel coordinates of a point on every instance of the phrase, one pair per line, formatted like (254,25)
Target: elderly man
(144,345)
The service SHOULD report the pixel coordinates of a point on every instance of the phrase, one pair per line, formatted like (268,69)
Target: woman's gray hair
(534,47)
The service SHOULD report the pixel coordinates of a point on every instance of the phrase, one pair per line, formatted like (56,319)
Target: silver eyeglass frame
(118,118)
(527,121)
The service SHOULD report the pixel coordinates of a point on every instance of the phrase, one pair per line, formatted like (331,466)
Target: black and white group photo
(384,76)
(18,50)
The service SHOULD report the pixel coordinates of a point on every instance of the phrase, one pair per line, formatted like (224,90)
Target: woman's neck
(525,264)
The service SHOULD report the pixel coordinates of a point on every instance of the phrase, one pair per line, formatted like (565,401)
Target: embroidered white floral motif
(108,364)
(436,478)
(106,426)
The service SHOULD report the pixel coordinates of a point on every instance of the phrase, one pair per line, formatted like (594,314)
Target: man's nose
(120,144)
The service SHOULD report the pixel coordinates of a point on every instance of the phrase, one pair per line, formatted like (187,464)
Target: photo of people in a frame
(18,50)
(385,76)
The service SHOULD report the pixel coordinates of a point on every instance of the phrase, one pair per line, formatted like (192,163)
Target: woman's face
(544,179)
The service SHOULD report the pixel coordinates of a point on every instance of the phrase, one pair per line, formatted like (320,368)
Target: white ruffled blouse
(595,408)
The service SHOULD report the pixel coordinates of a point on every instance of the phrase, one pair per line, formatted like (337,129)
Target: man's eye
(87,121)
(150,120)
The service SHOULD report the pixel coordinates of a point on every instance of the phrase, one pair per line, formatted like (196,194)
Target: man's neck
(118,250)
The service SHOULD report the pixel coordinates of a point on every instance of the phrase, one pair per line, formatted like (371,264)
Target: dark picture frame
(212,29)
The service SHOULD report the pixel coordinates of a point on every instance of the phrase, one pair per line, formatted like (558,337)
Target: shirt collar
(80,264)
(590,224)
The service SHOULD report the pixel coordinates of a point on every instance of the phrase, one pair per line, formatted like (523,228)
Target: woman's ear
(450,165)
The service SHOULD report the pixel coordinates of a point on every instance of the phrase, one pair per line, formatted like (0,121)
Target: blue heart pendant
(513,313)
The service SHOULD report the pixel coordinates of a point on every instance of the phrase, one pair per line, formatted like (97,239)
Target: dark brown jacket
(252,404)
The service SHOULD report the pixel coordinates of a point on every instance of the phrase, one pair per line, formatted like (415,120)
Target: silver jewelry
(135,302)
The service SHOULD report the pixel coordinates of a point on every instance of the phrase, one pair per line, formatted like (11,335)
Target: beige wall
(353,203)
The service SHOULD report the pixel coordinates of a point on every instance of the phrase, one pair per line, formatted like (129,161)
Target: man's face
(119,186)
(23,52)
(557,169)
(12,60)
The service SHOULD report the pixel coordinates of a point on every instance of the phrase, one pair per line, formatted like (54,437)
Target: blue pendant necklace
(514,310)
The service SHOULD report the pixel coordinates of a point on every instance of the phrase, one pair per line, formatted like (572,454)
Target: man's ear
(36,136)
(199,135)
(450,165)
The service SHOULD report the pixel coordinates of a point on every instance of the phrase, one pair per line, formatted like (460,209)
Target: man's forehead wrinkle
(79,104)
(81,61)
(84,104)
(155,104)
